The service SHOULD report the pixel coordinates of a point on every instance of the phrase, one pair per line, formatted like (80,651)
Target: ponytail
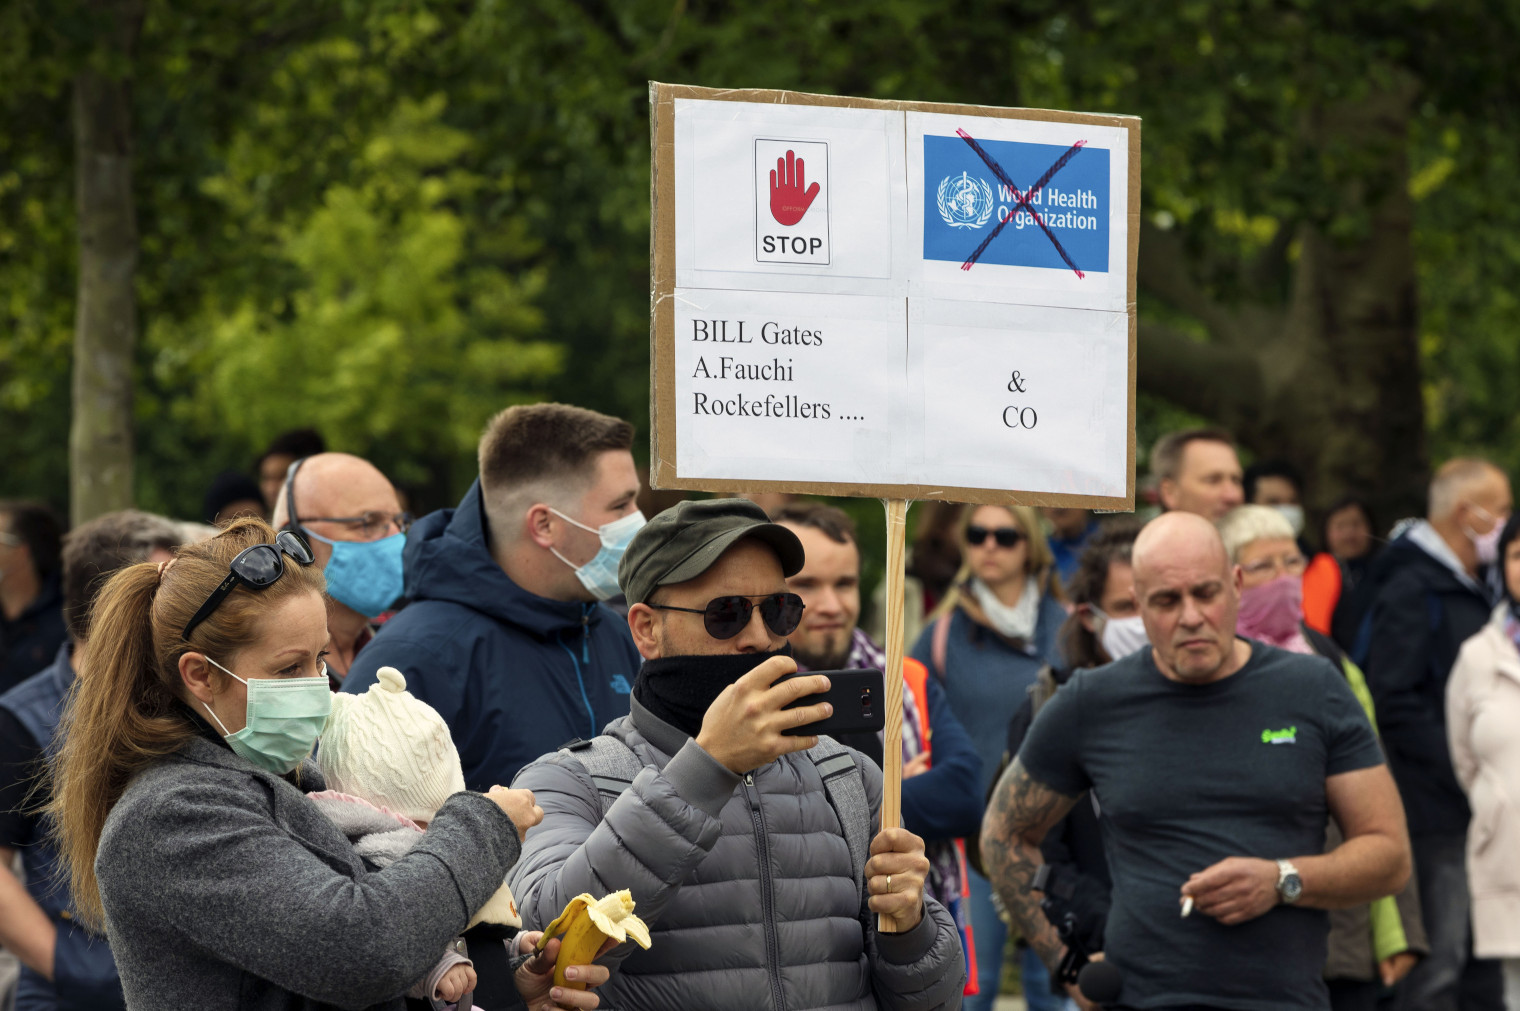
(126,709)
(118,719)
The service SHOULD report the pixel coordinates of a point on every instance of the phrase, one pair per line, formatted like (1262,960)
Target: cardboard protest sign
(893,299)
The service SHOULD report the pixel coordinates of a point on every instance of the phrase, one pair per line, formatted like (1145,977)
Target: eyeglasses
(1292,565)
(258,568)
(369,524)
(725,617)
(1006,537)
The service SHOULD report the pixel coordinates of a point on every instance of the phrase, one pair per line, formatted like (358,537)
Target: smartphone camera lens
(865,703)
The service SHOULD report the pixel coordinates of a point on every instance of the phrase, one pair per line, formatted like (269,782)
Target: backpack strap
(611,764)
(940,644)
(1042,689)
(1324,645)
(845,786)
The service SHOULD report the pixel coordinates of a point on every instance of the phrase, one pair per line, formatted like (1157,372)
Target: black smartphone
(859,698)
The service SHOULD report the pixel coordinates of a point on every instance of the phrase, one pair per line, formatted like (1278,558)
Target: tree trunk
(1330,380)
(105,328)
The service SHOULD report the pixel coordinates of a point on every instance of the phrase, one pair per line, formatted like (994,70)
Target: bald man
(1216,762)
(1432,595)
(350,514)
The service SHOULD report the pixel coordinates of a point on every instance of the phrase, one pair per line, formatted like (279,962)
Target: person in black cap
(752,854)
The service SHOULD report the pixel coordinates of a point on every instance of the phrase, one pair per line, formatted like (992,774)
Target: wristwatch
(1289,885)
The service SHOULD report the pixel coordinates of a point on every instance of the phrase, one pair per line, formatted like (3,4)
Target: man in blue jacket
(65,967)
(505,635)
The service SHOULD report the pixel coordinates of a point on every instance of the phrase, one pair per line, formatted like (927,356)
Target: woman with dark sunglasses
(986,642)
(181,810)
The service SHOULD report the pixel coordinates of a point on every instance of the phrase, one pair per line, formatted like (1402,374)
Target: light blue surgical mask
(365,575)
(285,717)
(599,575)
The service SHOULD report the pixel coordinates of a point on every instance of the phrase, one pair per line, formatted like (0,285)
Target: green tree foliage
(391,218)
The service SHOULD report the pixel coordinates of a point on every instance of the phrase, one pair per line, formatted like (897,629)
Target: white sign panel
(893,299)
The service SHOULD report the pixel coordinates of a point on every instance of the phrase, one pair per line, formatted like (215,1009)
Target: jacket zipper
(580,681)
(767,893)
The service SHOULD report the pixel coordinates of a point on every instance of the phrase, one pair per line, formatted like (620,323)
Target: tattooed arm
(1021,812)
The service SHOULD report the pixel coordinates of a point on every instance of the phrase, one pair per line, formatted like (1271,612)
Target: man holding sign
(750,852)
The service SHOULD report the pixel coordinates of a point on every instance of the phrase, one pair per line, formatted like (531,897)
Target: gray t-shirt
(1187,775)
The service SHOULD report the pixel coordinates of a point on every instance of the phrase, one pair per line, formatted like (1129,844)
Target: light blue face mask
(285,717)
(365,575)
(599,575)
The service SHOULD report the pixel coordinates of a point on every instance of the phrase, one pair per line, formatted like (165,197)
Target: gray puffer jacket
(225,887)
(748,886)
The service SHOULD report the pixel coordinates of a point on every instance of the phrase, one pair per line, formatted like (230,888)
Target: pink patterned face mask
(1272,611)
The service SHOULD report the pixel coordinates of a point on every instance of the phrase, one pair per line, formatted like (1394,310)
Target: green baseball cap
(683,542)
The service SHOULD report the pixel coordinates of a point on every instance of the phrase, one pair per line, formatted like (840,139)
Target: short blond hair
(1247,524)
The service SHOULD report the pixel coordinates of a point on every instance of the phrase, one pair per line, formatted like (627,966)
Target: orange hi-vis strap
(1322,591)
(916,680)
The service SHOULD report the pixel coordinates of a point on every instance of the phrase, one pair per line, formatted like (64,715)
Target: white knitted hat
(391,749)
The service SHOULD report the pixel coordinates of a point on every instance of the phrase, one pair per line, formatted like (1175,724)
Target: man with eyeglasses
(351,516)
(750,851)
(1432,595)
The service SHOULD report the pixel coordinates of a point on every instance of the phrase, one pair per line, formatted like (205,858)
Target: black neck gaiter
(680,689)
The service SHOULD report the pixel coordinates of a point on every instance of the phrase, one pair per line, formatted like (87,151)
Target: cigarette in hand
(1187,905)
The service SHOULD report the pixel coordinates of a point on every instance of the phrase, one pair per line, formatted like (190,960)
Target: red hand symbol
(791,196)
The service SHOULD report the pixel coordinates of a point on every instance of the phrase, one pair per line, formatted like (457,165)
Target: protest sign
(902,300)
(893,299)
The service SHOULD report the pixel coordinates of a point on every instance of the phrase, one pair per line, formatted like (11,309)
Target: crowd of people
(307,752)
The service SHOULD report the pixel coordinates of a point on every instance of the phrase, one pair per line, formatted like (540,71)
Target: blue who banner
(964,201)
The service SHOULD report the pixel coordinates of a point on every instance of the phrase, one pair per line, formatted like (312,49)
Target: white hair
(1453,480)
(1247,524)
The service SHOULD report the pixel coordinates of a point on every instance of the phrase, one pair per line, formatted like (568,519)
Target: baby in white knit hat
(390,763)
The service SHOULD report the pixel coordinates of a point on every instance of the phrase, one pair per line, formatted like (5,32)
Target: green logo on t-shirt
(1288,736)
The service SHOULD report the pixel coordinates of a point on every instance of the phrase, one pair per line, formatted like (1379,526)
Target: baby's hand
(455,983)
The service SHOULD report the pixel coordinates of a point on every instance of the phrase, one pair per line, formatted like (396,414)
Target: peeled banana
(586,924)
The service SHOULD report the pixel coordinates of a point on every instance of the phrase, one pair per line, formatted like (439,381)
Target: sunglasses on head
(1006,537)
(258,568)
(725,617)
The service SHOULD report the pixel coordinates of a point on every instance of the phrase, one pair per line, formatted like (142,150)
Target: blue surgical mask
(599,575)
(365,575)
(285,717)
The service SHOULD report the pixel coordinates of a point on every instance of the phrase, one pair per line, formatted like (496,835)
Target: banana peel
(587,923)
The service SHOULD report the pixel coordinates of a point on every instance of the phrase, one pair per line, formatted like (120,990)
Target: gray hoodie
(224,887)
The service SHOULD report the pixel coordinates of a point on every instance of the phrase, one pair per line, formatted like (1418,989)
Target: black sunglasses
(1006,537)
(256,567)
(725,617)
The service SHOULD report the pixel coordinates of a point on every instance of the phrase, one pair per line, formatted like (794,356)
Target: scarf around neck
(1014,622)
(680,689)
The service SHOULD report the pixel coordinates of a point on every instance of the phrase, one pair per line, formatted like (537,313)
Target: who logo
(791,201)
(964,202)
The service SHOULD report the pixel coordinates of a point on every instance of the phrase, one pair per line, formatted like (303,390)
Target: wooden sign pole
(891,747)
